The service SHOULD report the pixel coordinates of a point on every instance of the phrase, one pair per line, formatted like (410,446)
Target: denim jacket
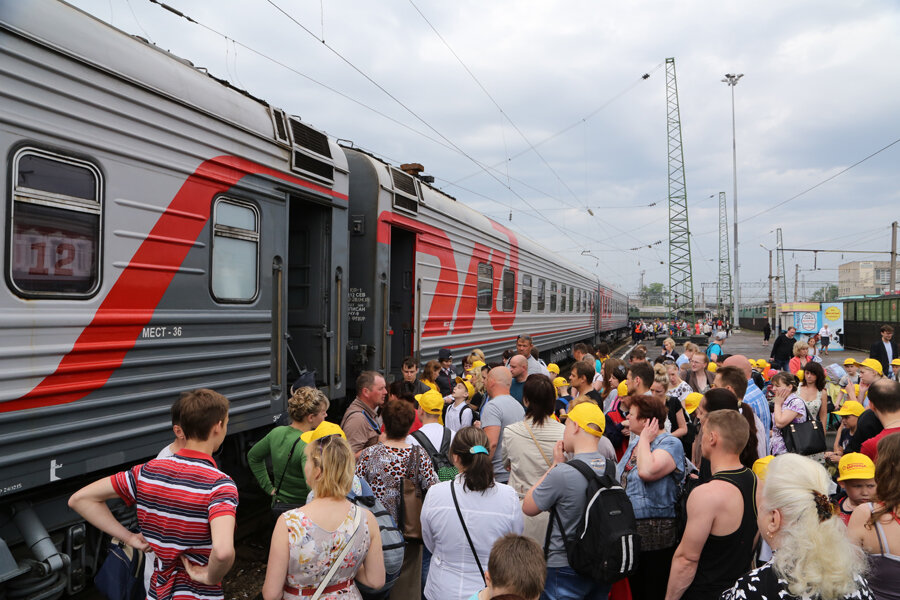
(652,499)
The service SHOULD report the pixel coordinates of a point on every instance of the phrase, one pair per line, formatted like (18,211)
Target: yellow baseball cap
(856,466)
(692,401)
(895,362)
(325,429)
(761,465)
(871,363)
(622,390)
(849,361)
(560,382)
(712,367)
(586,415)
(800,374)
(469,387)
(477,364)
(553,368)
(850,407)
(431,402)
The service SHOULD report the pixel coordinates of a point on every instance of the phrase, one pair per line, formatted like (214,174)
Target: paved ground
(749,343)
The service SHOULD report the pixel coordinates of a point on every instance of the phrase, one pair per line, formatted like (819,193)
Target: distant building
(865,277)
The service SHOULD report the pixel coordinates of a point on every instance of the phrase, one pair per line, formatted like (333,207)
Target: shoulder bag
(804,438)
(466,531)
(411,499)
(278,508)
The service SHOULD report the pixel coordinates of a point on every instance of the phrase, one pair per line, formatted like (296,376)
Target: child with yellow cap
(857,480)
(849,414)
(562,398)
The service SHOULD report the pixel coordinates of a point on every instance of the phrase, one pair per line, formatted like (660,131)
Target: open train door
(309,290)
(401,317)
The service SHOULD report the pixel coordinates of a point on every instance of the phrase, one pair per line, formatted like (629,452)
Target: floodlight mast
(732,80)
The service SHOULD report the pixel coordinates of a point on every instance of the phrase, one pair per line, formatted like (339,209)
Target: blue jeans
(563,583)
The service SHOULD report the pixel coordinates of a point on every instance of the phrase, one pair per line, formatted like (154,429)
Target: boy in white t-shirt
(459,414)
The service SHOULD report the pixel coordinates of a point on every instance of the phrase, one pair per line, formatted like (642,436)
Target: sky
(539,110)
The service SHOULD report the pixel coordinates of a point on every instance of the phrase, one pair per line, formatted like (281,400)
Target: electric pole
(894,256)
(681,282)
(724,299)
(732,80)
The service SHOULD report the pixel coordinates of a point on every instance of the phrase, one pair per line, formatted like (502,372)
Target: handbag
(411,500)
(804,438)
(122,575)
(279,508)
(466,531)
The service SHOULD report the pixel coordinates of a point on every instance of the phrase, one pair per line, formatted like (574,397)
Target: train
(863,317)
(166,231)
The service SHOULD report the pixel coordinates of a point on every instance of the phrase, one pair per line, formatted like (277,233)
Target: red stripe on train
(102,346)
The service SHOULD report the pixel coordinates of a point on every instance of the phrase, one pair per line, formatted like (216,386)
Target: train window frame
(22,198)
(542,295)
(508,295)
(553,301)
(484,270)
(526,293)
(228,232)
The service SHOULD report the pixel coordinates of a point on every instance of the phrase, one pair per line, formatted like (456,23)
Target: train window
(485,286)
(235,251)
(552,296)
(571,298)
(526,293)
(562,298)
(541,295)
(509,291)
(55,225)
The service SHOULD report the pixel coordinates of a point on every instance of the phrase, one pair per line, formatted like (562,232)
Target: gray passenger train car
(164,232)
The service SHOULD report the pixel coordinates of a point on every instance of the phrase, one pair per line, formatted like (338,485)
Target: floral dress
(383,467)
(313,550)
(796,404)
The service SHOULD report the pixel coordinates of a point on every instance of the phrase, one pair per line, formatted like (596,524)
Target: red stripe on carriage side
(103,344)
(433,241)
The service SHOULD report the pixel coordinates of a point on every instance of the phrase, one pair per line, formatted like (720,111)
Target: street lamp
(732,80)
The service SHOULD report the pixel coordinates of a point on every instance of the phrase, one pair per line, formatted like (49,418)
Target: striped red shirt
(176,499)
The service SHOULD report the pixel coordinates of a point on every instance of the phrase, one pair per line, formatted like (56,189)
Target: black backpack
(607,544)
(439,458)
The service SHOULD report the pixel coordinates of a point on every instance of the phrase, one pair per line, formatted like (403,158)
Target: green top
(277,444)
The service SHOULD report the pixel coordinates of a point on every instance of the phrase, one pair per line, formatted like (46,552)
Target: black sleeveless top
(725,558)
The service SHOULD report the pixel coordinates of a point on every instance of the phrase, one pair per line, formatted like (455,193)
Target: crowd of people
(700,474)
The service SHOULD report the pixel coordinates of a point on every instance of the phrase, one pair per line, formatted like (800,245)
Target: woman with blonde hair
(813,558)
(307,407)
(328,544)
(875,526)
(801,357)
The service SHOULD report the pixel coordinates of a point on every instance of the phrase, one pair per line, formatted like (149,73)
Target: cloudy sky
(539,109)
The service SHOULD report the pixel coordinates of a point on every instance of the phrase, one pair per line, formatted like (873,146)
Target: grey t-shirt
(564,488)
(501,411)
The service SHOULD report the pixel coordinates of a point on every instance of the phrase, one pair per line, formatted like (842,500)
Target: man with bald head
(500,410)
(753,397)
(518,368)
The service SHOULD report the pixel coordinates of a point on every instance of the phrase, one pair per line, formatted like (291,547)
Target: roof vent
(406,197)
(311,153)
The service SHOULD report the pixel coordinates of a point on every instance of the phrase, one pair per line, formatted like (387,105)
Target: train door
(309,291)
(401,319)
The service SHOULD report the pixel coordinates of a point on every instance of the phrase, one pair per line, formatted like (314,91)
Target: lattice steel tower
(681,282)
(724,299)
(781,293)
